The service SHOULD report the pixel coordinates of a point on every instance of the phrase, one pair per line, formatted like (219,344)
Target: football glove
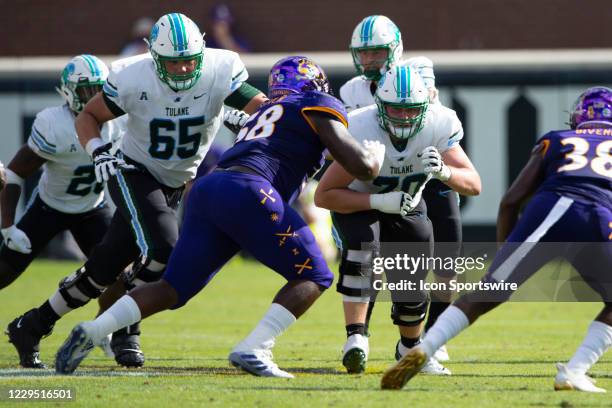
(106,164)
(375,149)
(235,119)
(433,164)
(395,202)
(16,239)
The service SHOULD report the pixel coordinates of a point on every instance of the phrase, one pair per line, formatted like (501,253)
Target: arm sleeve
(42,138)
(241,96)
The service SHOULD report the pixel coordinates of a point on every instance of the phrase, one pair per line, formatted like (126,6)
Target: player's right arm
(521,189)
(359,162)
(333,193)
(89,122)
(24,164)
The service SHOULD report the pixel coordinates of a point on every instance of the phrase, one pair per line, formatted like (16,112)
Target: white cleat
(441,354)
(257,362)
(568,380)
(76,347)
(433,367)
(355,353)
(105,346)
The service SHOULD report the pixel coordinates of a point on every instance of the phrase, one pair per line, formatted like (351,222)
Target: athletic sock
(47,315)
(449,324)
(122,313)
(406,343)
(436,308)
(597,341)
(276,320)
(355,328)
(58,304)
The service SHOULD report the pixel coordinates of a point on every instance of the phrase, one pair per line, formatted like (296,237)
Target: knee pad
(143,271)
(78,288)
(355,278)
(409,313)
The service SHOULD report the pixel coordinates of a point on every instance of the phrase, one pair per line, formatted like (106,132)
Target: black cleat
(25,333)
(127,350)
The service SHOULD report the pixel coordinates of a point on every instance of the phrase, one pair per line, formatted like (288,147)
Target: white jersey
(358,92)
(402,170)
(169,132)
(68,182)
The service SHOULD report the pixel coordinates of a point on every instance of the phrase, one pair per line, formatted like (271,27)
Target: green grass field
(506,359)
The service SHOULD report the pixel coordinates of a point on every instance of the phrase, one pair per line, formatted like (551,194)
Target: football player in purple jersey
(245,204)
(569,176)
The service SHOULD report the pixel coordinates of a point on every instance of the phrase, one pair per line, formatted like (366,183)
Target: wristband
(12,177)
(93,144)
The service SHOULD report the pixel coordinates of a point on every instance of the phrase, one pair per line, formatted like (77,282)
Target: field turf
(507,359)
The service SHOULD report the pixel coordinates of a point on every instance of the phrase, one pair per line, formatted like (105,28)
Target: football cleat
(441,354)
(257,362)
(105,346)
(568,380)
(74,350)
(431,367)
(126,348)
(25,333)
(355,354)
(401,372)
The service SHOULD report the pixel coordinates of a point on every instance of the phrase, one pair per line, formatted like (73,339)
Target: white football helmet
(376,32)
(401,87)
(81,79)
(176,37)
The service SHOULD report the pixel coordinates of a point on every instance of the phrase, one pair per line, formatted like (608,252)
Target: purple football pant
(554,226)
(228,211)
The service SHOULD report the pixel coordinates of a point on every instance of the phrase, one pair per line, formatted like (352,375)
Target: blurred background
(510,68)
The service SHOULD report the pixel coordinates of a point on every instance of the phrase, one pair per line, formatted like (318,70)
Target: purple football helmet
(296,75)
(593,108)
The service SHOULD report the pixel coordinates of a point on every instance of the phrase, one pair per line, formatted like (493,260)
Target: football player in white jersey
(422,143)
(173,100)
(68,197)
(376,44)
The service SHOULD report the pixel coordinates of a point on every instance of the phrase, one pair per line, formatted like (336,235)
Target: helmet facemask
(178,82)
(402,125)
(375,68)
(402,101)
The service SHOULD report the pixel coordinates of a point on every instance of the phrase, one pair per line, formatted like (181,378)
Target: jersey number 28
(264,127)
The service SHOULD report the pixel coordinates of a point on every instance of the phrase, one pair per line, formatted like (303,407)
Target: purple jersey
(578,164)
(279,142)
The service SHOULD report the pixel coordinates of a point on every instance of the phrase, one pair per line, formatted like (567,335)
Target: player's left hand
(235,119)
(433,164)
(106,164)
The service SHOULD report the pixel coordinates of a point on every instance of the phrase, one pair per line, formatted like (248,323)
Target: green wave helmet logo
(154,33)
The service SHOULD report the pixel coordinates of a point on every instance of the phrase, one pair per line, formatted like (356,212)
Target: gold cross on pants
(303,266)
(267,195)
